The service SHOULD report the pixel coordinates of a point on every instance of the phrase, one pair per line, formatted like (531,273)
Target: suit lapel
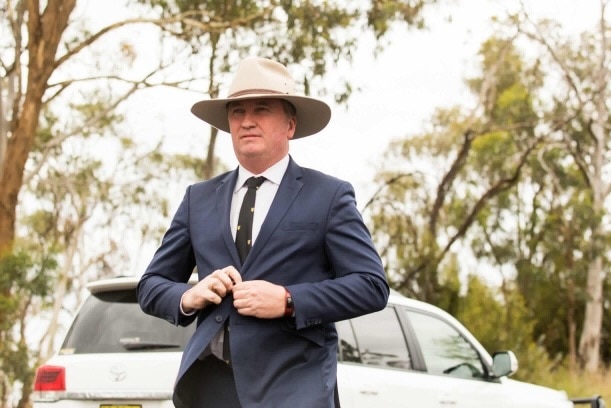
(223,203)
(288,189)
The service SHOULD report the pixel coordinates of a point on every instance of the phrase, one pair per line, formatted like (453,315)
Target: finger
(215,290)
(242,307)
(237,303)
(240,290)
(222,277)
(222,280)
(245,312)
(213,297)
(219,287)
(232,273)
(215,280)
(199,296)
(202,285)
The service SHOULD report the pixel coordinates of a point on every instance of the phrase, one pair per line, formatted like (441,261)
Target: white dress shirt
(265,196)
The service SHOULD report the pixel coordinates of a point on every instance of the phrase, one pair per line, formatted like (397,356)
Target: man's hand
(212,289)
(259,298)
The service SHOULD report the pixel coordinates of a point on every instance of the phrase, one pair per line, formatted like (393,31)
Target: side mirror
(601,402)
(504,363)
(594,402)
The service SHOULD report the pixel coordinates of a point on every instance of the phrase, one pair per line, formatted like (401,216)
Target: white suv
(410,354)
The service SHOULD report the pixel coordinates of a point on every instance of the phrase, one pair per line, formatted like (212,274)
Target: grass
(580,384)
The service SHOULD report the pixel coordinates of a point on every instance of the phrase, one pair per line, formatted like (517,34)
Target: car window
(445,351)
(348,350)
(112,322)
(374,339)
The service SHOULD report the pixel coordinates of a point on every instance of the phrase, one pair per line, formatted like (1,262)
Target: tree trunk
(589,344)
(210,165)
(44,33)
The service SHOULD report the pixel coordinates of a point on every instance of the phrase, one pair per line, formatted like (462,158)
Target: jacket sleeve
(360,285)
(166,278)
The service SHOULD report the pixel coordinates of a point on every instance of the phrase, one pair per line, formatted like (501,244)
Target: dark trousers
(208,383)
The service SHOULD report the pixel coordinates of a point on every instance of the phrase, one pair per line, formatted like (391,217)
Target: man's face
(260,132)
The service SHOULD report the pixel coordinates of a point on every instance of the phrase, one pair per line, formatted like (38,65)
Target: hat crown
(256,78)
(261,76)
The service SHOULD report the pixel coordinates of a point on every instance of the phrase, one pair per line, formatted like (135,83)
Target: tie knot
(254,182)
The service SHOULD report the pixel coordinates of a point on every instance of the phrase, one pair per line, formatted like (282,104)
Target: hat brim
(312,114)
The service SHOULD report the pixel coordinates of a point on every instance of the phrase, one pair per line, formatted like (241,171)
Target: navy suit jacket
(314,242)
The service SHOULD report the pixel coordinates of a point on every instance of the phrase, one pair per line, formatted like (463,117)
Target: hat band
(256,92)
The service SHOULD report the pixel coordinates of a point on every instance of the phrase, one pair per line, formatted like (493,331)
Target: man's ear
(292,126)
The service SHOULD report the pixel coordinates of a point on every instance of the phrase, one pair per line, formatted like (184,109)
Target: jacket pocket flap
(316,334)
(293,225)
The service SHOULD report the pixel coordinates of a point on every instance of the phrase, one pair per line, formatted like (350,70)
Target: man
(265,332)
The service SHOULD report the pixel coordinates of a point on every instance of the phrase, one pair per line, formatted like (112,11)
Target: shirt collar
(273,174)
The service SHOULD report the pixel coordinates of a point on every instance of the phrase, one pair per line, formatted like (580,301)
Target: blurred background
(475,132)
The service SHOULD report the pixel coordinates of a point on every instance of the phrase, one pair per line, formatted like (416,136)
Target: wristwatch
(289,308)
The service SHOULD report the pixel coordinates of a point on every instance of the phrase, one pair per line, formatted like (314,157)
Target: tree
(27,91)
(583,101)
(46,110)
(446,178)
(518,183)
(21,107)
(313,36)
(40,122)
(309,39)
(22,278)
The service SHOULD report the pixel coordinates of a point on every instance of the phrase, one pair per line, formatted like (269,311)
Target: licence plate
(120,406)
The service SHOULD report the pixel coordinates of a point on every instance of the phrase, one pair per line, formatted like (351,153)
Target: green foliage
(500,319)
(485,317)
(383,12)
(313,35)
(24,280)
(450,287)
(90,192)
(21,273)
(491,151)
(580,384)
(514,184)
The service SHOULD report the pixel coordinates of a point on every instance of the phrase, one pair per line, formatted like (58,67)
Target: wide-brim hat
(263,78)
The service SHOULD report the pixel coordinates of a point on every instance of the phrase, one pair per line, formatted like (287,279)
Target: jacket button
(218,318)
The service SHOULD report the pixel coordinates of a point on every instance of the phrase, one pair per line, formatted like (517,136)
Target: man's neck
(260,168)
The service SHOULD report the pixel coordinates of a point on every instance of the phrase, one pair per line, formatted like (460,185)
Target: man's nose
(249,119)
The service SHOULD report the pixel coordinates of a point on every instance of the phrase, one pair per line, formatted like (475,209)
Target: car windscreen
(112,322)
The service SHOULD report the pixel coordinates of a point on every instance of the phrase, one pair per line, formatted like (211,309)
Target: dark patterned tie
(243,239)
(243,236)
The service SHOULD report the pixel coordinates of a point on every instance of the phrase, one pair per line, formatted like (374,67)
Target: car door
(376,367)
(454,364)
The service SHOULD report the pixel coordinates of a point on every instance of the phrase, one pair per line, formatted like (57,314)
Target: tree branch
(448,178)
(183,18)
(500,186)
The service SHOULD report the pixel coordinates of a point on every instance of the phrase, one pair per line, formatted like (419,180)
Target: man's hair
(289,108)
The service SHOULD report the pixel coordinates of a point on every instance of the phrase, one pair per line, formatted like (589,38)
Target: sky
(418,72)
